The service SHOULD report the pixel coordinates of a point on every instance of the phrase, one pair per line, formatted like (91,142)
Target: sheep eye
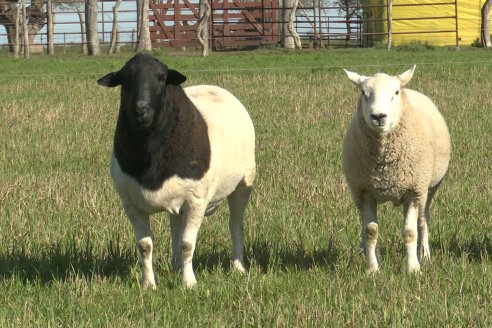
(397,92)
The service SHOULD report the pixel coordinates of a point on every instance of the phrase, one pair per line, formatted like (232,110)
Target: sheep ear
(405,77)
(175,77)
(110,80)
(354,77)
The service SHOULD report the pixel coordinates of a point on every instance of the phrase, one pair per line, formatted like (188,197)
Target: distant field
(67,252)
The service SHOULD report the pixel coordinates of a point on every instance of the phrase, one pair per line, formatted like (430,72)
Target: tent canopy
(432,21)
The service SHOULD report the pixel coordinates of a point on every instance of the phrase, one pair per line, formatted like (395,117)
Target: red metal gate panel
(233,23)
(172,23)
(238,23)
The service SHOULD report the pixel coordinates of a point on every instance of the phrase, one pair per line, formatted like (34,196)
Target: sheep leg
(238,201)
(176,225)
(423,249)
(143,236)
(369,232)
(193,220)
(410,233)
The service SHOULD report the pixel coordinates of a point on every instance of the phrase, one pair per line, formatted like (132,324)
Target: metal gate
(236,23)
(232,23)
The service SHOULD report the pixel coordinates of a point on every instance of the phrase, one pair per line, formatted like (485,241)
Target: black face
(143,82)
(141,88)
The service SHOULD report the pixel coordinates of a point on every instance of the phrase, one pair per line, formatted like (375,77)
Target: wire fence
(233,71)
(321,24)
(68,23)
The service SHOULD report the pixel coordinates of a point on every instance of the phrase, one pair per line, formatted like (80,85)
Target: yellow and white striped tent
(423,18)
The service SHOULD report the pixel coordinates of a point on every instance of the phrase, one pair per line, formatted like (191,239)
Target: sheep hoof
(374,269)
(189,284)
(237,266)
(414,268)
(148,285)
(176,266)
(426,255)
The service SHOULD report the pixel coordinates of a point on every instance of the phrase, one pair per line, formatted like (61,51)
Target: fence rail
(233,23)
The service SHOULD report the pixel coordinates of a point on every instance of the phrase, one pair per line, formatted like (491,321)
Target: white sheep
(397,148)
(182,151)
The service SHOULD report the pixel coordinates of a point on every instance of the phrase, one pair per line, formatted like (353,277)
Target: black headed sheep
(180,150)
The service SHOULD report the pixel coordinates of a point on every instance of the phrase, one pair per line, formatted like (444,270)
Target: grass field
(67,252)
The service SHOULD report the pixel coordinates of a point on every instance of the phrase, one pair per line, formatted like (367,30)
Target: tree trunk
(114,31)
(91,28)
(8,15)
(287,39)
(82,30)
(143,36)
(117,48)
(202,29)
(35,19)
(485,30)
(292,30)
(348,27)
(17,28)
(390,23)
(138,25)
(25,30)
(49,9)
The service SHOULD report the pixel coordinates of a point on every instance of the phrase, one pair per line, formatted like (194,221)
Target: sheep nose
(380,118)
(141,107)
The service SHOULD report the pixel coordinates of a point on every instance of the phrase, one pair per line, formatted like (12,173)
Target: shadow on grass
(269,255)
(475,249)
(65,260)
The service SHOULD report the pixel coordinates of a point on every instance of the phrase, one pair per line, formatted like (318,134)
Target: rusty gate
(232,23)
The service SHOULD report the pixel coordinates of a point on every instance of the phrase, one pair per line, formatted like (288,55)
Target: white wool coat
(409,160)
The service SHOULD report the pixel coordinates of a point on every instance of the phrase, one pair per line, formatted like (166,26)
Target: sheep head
(143,82)
(380,98)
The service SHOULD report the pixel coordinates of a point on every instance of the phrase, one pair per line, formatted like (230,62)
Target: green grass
(67,254)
